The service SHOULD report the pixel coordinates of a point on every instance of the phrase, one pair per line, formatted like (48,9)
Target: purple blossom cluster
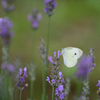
(34,18)
(8,67)
(22,75)
(56,76)
(7,6)
(5,30)
(85,66)
(60,92)
(50,6)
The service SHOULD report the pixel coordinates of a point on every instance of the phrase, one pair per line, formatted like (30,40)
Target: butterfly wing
(77,52)
(69,61)
(70,56)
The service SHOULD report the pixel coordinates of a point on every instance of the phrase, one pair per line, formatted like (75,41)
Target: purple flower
(62,81)
(56,76)
(35,24)
(5,30)
(47,1)
(39,16)
(50,59)
(60,92)
(50,6)
(8,68)
(54,54)
(57,79)
(83,68)
(60,74)
(7,5)
(11,68)
(25,70)
(56,92)
(20,71)
(60,88)
(29,17)
(4,4)
(22,79)
(53,81)
(62,96)
(22,75)
(98,83)
(48,79)
(34,18)
(59,54)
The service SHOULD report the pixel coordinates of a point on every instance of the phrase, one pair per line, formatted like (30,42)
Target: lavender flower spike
(50,59)
(34,18)
(83,68)
(85,91)
(91,54)
(56,78)
(42,51)
(22,75)
(8,68)
(5,30)
(7,6)
(50,6)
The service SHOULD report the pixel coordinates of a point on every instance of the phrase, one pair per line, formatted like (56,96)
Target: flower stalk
(45,83)
(52,92)
(20,94)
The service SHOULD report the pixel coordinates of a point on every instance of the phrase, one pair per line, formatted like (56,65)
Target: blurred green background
(76,23)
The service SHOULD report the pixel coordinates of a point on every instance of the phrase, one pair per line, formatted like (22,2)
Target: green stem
(45,83)
(20,94)
(16,95)
(31,90)
(32,56)
(52,92)
(48,40)
(10,91)
(3,97)
(79,88)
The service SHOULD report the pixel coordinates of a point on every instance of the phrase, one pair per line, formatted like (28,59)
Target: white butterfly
(71,55)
